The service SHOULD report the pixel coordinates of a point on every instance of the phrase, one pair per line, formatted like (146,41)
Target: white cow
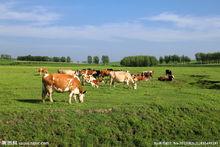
(93,81)
(122,77)
(68,71)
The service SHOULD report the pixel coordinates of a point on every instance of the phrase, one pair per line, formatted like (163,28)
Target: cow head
(81,96)
(171,77)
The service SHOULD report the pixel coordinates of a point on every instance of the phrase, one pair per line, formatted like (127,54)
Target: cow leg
(83,80)
(51,99)
(135,85)
(127,81)
(75,98)
(70,97)
(112,82)
(81,99)
(50,91)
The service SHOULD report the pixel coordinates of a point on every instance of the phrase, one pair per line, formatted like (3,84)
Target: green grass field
(186,109)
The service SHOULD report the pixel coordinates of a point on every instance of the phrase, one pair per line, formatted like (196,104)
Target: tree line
(95,60)
(5,56)
(44,58)
(202,58)
(173,59)
(139,61)
(207,58)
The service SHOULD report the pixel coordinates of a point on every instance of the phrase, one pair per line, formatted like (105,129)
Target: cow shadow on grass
(33,101)
(29,100)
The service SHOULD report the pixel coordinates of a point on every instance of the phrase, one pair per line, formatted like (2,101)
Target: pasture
(186,109)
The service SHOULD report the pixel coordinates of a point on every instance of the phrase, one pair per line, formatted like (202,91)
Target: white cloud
(34,20)
(109,32)
(35,15)
(187,21)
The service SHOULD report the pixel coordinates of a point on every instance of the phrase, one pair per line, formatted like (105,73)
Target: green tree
(89,59)
(68,59)
(161,60)
(6,56)
(56,59)
(96,60)
(105,59)
(63,59)
(167,59)
(208,57)
(139,61)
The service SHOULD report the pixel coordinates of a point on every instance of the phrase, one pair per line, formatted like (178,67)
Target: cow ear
(84,92)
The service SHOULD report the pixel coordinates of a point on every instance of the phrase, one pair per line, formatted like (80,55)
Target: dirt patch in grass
(205,83)
(94,111)
(209,84)
(199,76)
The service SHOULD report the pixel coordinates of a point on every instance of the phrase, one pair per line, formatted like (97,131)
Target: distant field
(186,109)
(71,64)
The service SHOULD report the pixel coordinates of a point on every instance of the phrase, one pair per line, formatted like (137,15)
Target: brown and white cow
(67,71)
(105,72)
(84,73)
(148,73)
(87,72)
(62,83)
(42,70)
(141,77)
(166,78)
(92,80)
(123,77)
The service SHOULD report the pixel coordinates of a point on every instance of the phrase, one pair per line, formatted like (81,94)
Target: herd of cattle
(66,80)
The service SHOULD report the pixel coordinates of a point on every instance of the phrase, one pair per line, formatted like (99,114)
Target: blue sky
(117,28)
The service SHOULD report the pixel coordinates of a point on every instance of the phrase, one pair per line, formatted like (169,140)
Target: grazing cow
(105,72)
(92,80)
(62,83)
(123,77)
(42,70)
(141,77)
(168,72)
(166,78)
(87,72)
(68,71)
(97,74)
(148,73)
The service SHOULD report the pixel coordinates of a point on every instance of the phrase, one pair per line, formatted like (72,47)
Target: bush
(139,61)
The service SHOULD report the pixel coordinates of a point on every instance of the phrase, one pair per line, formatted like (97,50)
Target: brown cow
(62,83)
(42,70)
